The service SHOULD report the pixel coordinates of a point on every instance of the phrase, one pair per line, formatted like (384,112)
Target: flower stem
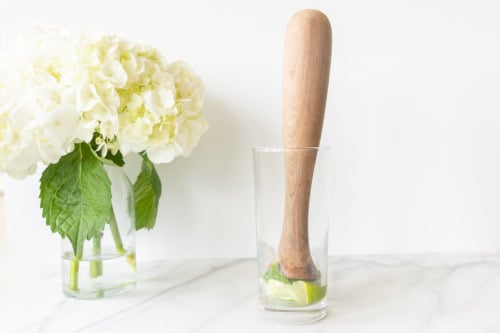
(74,267)
(96,264)
(118,241)
(116,234)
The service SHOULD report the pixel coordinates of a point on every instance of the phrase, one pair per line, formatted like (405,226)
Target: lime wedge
(298,293)
(308,292)
(280,291)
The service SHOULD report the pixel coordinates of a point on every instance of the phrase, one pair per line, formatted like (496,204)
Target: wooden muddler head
(306,71)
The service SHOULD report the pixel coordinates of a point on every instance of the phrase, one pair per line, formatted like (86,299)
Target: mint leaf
(274,272)
(75,196)
(147,192)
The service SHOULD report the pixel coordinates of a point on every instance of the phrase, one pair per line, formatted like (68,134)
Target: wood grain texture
(306,71)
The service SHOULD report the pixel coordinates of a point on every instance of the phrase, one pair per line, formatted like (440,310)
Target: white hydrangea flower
(179,131)
(158,107)
(35,118)
(18,151)
(58,90)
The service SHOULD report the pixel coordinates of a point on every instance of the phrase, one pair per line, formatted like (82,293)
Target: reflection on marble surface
(422,293)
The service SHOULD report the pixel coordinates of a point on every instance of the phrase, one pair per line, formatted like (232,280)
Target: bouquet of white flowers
(77,102)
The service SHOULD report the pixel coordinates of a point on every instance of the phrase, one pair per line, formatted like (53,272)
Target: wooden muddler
(306,71)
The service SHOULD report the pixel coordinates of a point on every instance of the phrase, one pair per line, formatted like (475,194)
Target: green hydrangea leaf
(75,196)
(114,159)
(110,158)
(147,192)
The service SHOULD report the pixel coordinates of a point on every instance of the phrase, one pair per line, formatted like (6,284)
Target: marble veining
(398,293)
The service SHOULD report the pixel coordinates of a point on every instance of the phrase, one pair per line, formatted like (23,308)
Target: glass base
(294,315)
(99,292)
(100,276)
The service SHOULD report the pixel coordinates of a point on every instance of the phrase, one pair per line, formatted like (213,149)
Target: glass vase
(106,264)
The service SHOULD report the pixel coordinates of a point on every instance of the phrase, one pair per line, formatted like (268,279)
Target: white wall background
(413,117)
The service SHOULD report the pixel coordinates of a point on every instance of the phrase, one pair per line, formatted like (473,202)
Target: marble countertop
(404,293)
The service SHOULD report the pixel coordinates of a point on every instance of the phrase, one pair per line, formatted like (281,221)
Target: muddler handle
(306,73)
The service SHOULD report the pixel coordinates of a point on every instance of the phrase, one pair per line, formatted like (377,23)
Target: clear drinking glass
(105,265)
(277,171)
